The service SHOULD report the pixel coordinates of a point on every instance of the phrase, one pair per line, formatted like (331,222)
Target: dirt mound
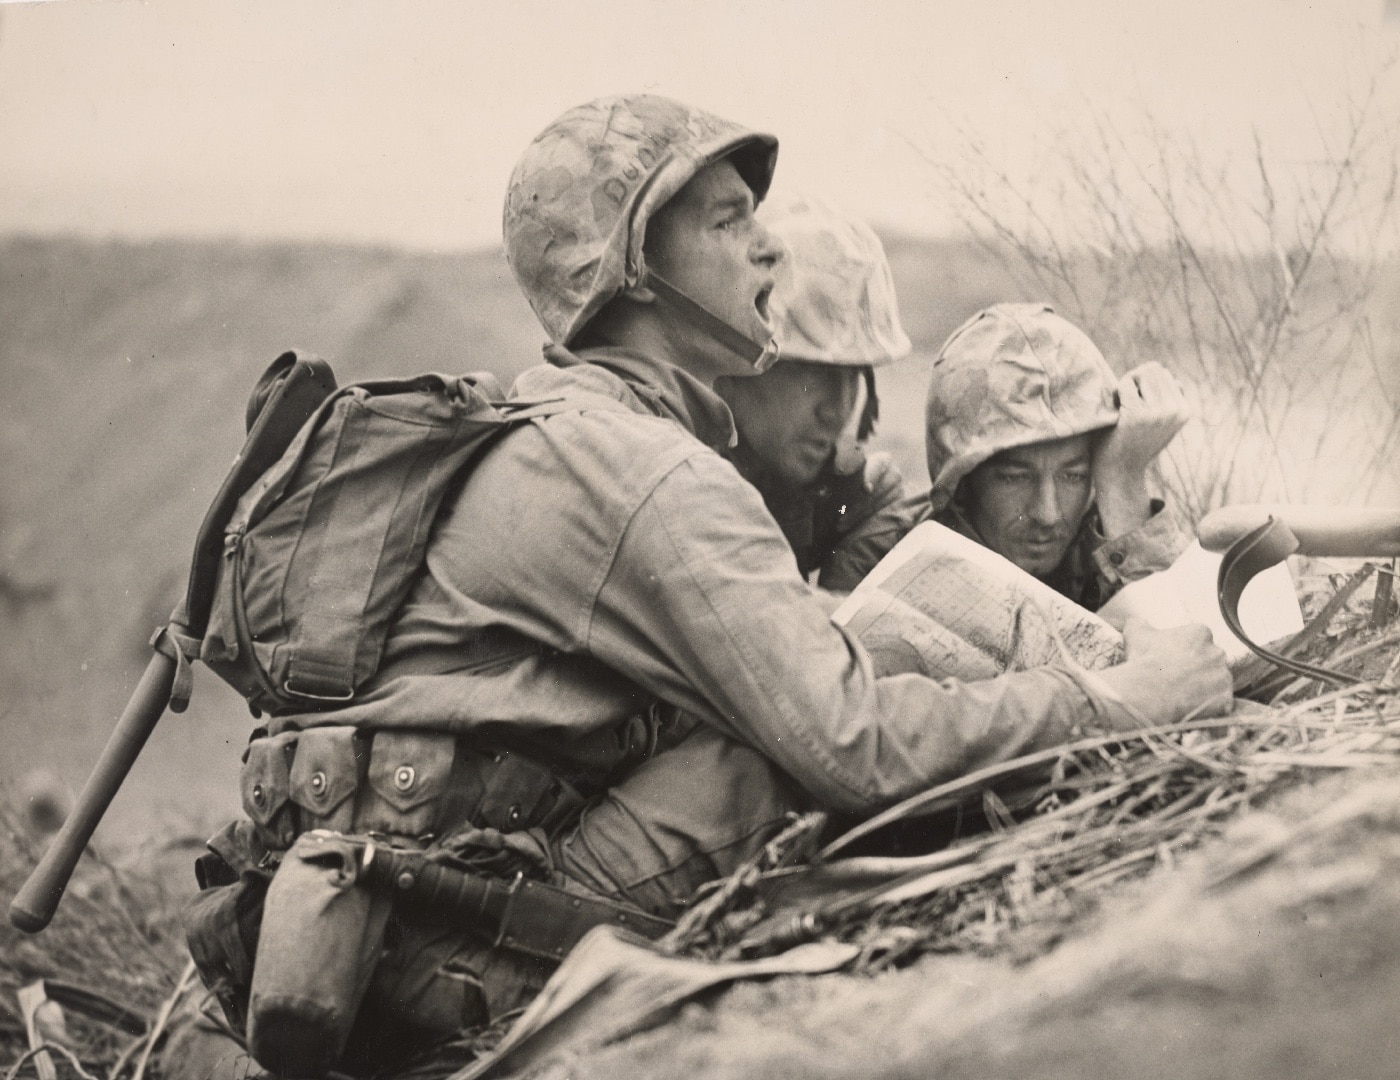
(1290,970)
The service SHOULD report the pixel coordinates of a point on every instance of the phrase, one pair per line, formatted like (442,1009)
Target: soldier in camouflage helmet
(580,199)
(836,319)
(1037,450)
(619,684)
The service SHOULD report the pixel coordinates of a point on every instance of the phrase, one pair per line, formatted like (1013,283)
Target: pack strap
(322,665)
(172,641)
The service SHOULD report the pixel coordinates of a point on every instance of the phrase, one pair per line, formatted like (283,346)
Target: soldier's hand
(1173,674)
(881,474)
(1152,408)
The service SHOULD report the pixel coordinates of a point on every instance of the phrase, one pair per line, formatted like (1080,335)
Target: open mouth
(760,304)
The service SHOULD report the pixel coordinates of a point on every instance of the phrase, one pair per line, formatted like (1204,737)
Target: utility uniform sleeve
(702,604)
(1151,547)
(867,525)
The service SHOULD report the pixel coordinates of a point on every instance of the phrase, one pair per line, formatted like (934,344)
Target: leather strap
(762,357)
(172,641)
(1256,551)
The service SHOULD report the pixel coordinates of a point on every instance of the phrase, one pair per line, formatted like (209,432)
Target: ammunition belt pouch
(405,783)
(349,830)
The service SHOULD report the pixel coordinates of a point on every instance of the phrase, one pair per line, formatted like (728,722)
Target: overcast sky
(399,120)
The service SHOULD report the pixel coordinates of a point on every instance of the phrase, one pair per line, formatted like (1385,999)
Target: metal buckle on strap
(288,688)
(760,355)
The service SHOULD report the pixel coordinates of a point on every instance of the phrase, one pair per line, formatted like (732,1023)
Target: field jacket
(607,557)
(836,529)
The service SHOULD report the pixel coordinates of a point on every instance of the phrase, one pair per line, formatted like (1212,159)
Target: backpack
(321,551)
(302,561)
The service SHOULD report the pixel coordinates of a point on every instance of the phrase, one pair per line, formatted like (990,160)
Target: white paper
(1186,592)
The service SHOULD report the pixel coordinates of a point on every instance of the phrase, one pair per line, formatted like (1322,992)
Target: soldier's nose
(767,250)
(1045,507)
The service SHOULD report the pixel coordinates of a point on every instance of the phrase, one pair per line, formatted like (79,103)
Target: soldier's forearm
(1123,501)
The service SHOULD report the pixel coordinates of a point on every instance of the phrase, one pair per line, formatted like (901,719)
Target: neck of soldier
(653,332)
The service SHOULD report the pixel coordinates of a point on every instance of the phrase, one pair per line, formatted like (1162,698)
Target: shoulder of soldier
(605,433)
(585,384)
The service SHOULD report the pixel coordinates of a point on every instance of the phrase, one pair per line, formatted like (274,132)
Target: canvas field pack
(322,549)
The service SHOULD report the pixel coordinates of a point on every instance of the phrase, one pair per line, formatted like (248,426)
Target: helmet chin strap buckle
(760,356)
(768,357)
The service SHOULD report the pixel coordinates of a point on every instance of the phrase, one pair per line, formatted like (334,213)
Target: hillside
(127,367)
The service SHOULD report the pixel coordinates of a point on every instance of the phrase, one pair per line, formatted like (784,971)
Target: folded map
(945,606)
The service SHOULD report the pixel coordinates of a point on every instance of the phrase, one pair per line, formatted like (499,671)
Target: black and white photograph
(741,539)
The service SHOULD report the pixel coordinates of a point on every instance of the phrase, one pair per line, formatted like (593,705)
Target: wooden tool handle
(1328,531)
(36,902)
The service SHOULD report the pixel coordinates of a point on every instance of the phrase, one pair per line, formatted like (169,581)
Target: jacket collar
(649,386)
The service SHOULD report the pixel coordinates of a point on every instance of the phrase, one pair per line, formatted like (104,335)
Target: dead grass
(116,935)
(1039,839)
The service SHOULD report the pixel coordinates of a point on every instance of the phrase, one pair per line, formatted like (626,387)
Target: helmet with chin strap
(1012,375)
(834,300)
(581,195)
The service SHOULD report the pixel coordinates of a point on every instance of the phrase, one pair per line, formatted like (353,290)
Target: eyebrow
(735,201)
(1015,462)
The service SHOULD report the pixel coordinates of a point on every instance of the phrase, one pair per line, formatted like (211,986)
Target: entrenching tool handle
(35,903)
(289,393)
(1324,531)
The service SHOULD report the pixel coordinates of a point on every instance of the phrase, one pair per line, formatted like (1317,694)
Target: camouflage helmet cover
(1012,375)
(581,195)
(834,299)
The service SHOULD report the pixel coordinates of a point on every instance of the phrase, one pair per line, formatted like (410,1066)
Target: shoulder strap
(355,536)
